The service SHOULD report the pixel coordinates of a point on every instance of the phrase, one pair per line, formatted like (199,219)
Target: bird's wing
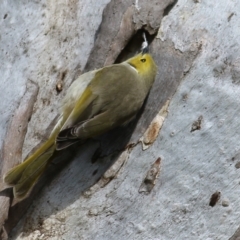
(80,113)
(82,105)
(102,106)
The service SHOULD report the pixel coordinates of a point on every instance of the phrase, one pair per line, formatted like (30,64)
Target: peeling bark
(12,149)
(92,187)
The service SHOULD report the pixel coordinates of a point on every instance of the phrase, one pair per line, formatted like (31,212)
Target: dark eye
(143,60)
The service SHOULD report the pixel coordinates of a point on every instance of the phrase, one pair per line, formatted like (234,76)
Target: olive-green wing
(80,113)
(102,106)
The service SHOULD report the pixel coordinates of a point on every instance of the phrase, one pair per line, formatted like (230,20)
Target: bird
(96,102)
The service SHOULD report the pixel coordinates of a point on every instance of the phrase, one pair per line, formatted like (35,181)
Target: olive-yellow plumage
(95,103)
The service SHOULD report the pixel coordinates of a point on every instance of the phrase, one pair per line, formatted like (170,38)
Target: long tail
(23,177)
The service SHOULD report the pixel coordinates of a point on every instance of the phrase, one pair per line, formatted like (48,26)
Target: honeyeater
(95,103)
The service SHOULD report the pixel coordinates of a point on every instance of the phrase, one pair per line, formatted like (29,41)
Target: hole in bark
(5,16)
(197,124)
(96,155)
(63,75)
(134,45)
(237,165)
(95,172)
(214,198)
(169,8)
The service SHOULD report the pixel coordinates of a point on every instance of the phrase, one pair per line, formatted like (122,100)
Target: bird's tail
(25,175)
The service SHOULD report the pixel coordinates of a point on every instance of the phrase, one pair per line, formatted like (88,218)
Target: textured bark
(12,149)
(185,185)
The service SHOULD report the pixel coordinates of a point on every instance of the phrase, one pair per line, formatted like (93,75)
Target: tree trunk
(185,183)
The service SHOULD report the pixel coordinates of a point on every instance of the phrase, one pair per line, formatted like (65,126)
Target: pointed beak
(145,47)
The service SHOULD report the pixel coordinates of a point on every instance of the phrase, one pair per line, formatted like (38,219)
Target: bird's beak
(145,47)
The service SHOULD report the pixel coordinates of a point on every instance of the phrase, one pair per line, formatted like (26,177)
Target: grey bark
(99,190)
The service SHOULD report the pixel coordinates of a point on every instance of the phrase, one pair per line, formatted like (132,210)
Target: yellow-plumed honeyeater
(95,103)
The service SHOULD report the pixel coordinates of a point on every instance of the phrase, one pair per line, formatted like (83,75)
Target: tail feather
(25,175)
(32,173)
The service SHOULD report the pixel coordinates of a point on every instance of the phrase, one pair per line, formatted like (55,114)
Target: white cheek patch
(133,68)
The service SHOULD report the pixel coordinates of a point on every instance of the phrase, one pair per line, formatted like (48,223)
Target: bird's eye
(143,60)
